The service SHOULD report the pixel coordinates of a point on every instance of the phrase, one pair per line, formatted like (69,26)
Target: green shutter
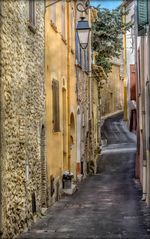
(142,16)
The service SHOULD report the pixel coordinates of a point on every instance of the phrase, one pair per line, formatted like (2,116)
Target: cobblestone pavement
(107,205)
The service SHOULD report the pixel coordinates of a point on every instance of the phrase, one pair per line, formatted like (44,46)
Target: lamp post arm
(53,3)
(83,7)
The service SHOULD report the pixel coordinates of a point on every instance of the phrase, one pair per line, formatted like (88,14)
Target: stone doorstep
(43,210)
(71,190)
(104,142)
(79,178)
(103,118)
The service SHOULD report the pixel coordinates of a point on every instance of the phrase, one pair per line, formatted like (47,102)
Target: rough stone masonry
(22,114)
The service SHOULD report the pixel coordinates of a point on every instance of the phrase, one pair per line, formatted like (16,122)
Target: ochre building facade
(60,85)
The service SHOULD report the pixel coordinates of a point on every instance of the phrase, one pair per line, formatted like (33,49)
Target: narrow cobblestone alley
(107,205)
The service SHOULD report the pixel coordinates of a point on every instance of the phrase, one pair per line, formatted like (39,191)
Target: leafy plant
(107,35)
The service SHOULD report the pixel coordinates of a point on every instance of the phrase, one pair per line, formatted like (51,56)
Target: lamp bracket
(53,3)
(83,7)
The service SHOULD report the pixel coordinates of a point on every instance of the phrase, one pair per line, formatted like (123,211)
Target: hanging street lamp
(83,31)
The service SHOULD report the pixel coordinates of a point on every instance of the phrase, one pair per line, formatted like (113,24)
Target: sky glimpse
(110,4)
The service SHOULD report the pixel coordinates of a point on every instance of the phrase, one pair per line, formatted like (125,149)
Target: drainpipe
(68,80)
(148,113)
(144,121)
(125,70)
(0,134)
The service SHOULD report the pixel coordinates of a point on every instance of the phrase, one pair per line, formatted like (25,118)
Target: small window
(32,12)
(80,60)
(71,24)
(53,11)
(55,95)
(52,185)
(77,48)
(85,60)
(88,59)
(63,6)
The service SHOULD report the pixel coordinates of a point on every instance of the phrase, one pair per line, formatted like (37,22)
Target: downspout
(68,81)
(0,131)
(144,124)
(137,172)
(125,69)
(148,113)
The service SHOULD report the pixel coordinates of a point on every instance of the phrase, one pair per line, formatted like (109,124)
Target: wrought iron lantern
(83,31)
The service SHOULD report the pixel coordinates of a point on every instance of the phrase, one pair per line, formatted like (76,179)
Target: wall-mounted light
(83,31)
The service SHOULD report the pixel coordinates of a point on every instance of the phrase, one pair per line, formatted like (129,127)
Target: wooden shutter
(132,82)
(88,59)
(77,48)
(63,6)
(85,60)
(53,11)
(80,56)
(142,16)
(56,120)
(32,12)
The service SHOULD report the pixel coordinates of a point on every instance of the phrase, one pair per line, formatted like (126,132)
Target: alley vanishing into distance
(107,205)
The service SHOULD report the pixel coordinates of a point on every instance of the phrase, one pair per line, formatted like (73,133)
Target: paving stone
(106,206)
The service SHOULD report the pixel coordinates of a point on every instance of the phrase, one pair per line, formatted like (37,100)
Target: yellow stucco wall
(56,68)
(116,85)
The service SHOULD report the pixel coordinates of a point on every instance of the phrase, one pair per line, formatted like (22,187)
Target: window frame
(55,106)
(63,19)
(32,13)
(53,12)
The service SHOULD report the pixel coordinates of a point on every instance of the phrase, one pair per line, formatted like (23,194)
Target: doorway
(72,138)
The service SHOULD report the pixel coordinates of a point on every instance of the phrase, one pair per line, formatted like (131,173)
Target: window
(77,48)
(53,11)
(80,60)
(142,16)
(55,95)
(32,12)
(63,5)
(85,60)
(71,23)
(88,59)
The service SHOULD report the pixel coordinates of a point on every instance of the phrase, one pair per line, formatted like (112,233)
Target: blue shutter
(77,48)
(80,57)
(85,60)
(142,16)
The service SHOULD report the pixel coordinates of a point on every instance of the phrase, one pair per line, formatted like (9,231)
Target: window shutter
(53,11)
(55,89)
(80,56)
(88,58)
(77,48)
(32,12)
(85,60)
(63,6)
(142,16)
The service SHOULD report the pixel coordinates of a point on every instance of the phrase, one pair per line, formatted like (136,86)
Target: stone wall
(23,107)
(82,101)
(112,92)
